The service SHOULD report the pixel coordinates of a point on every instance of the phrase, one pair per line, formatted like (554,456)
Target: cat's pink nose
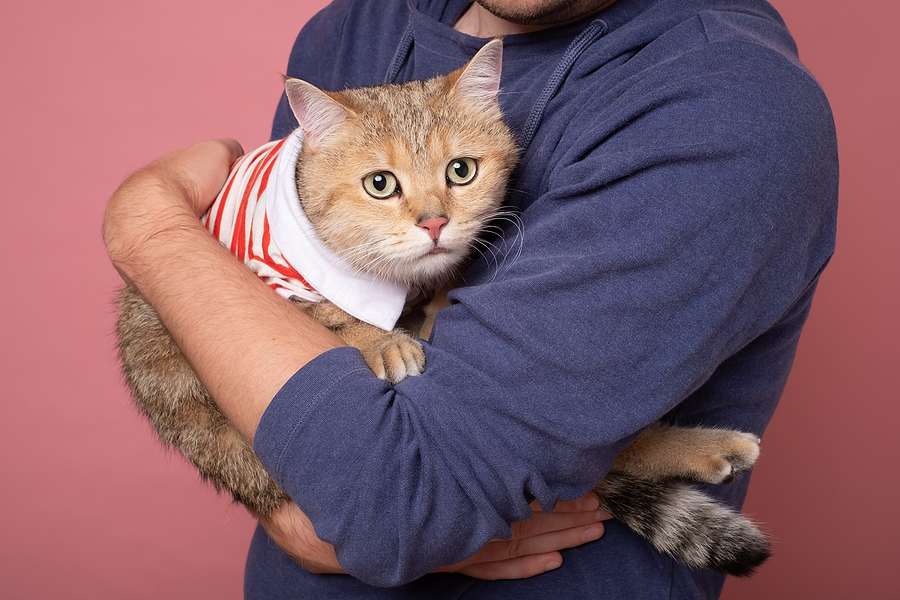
(433,226)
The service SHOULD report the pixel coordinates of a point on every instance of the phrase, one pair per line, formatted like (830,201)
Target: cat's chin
(431,269)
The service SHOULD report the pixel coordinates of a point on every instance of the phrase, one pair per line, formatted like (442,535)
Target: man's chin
(542,12)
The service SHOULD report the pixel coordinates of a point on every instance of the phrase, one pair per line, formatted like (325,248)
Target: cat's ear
(479,81)
(317,112)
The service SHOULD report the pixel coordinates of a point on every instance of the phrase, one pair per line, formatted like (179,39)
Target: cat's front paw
(395,356)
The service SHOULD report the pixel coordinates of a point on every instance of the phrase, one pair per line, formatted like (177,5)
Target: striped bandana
(259,218)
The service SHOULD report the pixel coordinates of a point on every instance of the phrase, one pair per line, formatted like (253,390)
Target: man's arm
(533,547)
(243,341)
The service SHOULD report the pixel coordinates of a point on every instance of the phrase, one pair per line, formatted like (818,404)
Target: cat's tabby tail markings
(683,522)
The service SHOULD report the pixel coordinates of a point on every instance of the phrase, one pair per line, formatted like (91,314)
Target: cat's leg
(438,302)
(699,453)
(168,391)
(392,355)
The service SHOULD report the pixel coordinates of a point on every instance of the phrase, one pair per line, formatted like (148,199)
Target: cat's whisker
(512,243)
(360,253)
(523,192)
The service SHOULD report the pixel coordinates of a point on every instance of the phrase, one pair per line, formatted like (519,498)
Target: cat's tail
(683,522)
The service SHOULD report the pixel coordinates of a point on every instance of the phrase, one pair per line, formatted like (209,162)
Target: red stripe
(266,240)
(241,223)
(217,225)
(291,273)
(283,270)
(262,170)
(266,235)
(272,152)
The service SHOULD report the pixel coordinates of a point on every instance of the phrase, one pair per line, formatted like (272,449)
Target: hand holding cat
(535,543)
(533,548)
(156,241)
(194,176)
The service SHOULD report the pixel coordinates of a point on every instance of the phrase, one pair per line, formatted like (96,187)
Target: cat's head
(400,179)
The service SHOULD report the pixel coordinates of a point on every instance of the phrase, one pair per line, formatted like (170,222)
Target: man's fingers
(537,544)
(588,502)
(517,568)
(200,171)
(540,522)
(234,147)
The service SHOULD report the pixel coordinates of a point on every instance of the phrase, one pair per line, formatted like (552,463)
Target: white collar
(369,298)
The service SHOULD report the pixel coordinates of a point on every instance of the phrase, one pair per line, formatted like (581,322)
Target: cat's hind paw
(708,454)
(395,357)
(732,453)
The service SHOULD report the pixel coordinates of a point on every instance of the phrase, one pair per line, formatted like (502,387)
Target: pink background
(91,506)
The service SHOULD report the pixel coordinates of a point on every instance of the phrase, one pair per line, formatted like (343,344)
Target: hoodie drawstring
(587,37)
(406,42)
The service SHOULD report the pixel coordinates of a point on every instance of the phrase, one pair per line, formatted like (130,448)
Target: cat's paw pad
(395,357)
(736,452)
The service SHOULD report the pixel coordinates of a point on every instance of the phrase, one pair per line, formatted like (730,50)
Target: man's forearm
(242,340)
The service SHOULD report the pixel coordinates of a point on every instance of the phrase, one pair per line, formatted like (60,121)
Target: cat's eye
(381,185)
(461,171)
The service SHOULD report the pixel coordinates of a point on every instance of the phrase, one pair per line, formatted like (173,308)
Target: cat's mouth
(439,250)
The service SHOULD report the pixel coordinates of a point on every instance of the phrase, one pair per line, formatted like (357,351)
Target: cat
(397,183)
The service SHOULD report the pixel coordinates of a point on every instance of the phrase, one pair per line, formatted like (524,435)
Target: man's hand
(535,543)
(533,548)
(201,291)
(186,181)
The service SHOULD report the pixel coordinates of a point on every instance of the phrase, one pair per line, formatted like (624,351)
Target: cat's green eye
(380,185)
(461,171)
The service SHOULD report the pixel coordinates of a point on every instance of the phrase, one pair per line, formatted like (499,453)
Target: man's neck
(477,21)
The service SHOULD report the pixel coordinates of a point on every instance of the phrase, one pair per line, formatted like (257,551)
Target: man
(677,191)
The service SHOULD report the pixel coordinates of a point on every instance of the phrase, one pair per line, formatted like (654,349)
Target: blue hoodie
(677,196)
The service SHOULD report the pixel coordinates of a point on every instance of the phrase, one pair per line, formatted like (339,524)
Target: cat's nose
(433,226)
